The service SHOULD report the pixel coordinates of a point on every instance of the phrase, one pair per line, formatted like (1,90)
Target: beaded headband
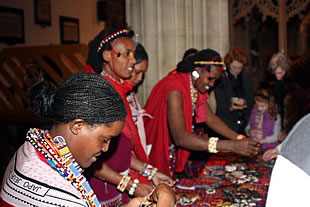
(211,63)
(111,37)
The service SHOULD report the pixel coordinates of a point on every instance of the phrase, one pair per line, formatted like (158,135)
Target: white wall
(84,10)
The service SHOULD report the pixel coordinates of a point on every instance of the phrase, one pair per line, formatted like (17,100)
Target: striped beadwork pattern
(58,155)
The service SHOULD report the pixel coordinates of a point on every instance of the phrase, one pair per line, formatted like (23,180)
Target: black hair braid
(140,54)
(186,66)
(85,96)
(89,97)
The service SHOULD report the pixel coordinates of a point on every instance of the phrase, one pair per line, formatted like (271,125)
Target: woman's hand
(270,154)
(253,132)
(143,189)
(245,147)
(164,195)
(238,104)
(282,135)
(135,202)
(263,141)
(162,178)
(161,196)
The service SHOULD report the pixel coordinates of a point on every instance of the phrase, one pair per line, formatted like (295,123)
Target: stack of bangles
(148,171)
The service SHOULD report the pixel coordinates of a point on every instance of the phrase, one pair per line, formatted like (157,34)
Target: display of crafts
(239,183)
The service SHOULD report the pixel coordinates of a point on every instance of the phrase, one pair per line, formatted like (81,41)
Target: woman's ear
(106,55)
(76,126)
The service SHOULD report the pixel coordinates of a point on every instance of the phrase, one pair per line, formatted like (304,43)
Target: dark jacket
(230,87)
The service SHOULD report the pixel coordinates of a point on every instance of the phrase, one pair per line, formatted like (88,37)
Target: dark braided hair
(188,65)
(189,52)
(140,54)
(83,95)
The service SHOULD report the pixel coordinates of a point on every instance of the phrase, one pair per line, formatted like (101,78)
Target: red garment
(156,129)
(130,129)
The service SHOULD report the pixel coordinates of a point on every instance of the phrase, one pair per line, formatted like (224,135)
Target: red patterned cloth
(214,176)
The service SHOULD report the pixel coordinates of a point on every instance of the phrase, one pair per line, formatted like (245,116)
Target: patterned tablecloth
(228,180)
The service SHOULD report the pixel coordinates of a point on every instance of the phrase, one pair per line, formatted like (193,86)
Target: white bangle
(133,187)
(212,145)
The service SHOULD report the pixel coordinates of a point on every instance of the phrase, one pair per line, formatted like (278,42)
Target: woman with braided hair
(178,100)
(112,54)
(47,169)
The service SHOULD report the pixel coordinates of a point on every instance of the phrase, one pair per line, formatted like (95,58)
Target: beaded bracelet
(142,170)
(153,172)
(133,187)
(240,137)
(146,170)
(123,183)
(212,145)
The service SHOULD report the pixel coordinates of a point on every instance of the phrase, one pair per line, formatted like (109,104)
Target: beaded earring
(195,75)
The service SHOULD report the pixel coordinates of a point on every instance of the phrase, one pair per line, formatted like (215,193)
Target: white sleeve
(276,130)
(279,147)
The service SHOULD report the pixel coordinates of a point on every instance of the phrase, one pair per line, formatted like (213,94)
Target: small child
(265,121)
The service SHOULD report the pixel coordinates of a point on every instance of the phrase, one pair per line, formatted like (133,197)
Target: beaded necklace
(105,73)
(58,155)
(194,95)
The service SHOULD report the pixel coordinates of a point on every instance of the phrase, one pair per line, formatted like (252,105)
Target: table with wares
(227,180)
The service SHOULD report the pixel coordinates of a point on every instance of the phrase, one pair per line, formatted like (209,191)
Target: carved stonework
(242,8)
(296,7)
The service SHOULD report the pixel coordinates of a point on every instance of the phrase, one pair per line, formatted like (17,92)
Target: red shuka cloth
(156,129)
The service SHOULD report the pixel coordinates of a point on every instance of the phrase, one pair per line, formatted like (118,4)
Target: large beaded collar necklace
(58,155)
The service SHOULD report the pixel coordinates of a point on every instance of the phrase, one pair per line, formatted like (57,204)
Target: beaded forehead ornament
(221,63)
(206,63)
(111,37)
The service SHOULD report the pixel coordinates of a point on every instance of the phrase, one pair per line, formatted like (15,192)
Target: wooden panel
(57,61)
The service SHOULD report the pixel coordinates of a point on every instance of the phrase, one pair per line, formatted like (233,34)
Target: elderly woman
(177,100)
(290,177)
(47,169)
(234,94)
(279,65)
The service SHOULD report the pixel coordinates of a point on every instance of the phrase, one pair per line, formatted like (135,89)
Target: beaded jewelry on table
(58,155)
